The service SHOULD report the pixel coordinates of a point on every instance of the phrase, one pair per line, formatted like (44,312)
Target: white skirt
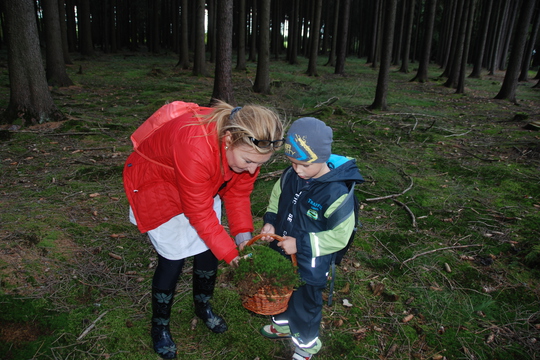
(177,239)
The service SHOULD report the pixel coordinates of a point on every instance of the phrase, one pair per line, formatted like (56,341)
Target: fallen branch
(444,248)
(272,174)
(393,195)
(414,224)
(92,325)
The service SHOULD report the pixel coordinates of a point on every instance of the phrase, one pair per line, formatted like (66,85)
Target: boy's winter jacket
(301,208)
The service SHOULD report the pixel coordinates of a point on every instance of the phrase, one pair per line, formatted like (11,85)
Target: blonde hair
(253,121)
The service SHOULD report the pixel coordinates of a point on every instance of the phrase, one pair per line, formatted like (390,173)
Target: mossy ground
(450,214)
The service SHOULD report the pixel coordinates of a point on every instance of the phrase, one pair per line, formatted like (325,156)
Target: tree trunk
(55,67)
(30,99)
(86,45)
(508,89)
(254,27)
(494,56)
(63,32)
(262,79)
(422,74)
(386,56)
(211,35)
(460,89)
(524,75)
(292,41)
(199,61)
(332,56)
(341,51)
(223,88)
(408,39)
(71,26)
(241,50)
(508,32)
(314,37)
(481,42)
(183,60)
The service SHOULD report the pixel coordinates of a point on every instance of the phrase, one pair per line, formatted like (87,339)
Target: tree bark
(199,61)
(332,56)
(460,89)
(86,45)
(254,27)
(30,99)
(408,39)
(241,49)
(223,89)
(292,40)
(481,42)
(183,60)
(508,89)
(314,39)
(341,51)
(422,74)
(55,67)
(262,79)
(524,75)
(63,32)
(386,56)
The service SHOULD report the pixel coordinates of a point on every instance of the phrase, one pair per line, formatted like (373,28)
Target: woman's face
(244,158)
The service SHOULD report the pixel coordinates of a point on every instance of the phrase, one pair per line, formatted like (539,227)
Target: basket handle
(278,238)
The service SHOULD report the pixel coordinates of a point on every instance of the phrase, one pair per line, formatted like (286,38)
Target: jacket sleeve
(330,241)
(271,212)
(195,172)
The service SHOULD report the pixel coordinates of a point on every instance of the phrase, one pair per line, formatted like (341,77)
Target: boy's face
(307,170)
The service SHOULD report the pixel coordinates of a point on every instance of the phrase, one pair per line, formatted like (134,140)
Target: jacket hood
(342,169)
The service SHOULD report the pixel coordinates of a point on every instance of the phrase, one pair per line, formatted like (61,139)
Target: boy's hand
(242,245)
(288,245)
(268,229)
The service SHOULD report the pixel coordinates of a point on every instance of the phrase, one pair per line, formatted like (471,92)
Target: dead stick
(393,195)
(85,332)
(414,224)
(444,248)
(270,174)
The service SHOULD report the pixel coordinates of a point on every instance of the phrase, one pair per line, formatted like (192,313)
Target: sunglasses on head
(263,144)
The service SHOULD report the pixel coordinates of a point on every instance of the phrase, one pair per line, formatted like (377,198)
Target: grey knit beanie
(309,140)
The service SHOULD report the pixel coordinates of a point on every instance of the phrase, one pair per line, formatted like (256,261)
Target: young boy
(300,209)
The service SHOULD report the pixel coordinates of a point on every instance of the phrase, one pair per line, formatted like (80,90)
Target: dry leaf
(346,303)
(447,268)
(346,289)
(193,325)
(94,195)
(408,318)
(376,288)
(114,256)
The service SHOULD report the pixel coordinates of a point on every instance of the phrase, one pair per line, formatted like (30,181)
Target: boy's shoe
(271,333)
(299,354)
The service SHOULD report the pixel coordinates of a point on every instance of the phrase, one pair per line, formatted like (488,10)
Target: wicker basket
(268,301)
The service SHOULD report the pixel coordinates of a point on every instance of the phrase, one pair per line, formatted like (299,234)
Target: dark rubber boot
(164,345)
(204,282)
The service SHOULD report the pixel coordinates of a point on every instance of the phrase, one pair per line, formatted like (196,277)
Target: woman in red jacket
(175,181)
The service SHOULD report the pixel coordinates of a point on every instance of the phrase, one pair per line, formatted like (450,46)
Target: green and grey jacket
(304,210)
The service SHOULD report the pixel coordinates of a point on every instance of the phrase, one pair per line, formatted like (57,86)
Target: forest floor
(445,265)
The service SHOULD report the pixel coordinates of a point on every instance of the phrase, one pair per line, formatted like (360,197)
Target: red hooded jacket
(178,170)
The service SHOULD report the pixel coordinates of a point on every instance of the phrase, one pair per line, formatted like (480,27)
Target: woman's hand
(234,262)
(268,229)
(288,245)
